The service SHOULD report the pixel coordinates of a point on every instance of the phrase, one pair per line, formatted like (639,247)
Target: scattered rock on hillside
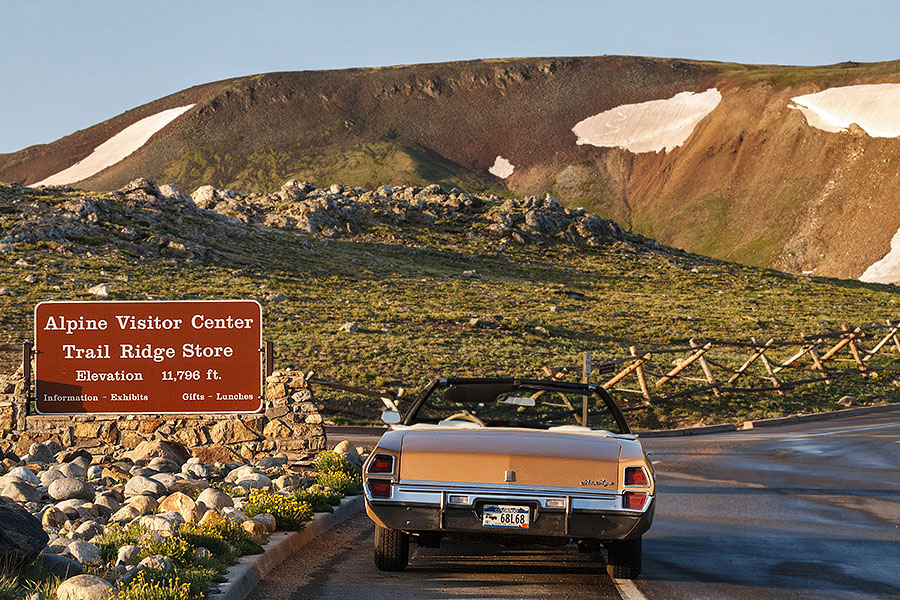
(101,290)
(349,327)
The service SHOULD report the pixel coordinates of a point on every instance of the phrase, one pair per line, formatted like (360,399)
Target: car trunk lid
(527,458)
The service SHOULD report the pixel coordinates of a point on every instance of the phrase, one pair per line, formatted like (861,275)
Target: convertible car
(515,461)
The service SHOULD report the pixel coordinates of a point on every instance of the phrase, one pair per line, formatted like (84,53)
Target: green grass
(407,290)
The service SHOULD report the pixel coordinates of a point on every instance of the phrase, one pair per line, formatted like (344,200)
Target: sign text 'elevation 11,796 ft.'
(148,357)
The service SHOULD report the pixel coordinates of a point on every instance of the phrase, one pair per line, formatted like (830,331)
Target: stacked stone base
(290,424)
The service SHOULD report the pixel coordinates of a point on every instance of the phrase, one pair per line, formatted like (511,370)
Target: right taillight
(382,463)
(634,500)
(379,488)
(636,476)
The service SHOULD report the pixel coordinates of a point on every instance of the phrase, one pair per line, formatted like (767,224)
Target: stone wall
(290,424)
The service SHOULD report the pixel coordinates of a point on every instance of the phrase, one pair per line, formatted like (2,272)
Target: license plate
(502,515)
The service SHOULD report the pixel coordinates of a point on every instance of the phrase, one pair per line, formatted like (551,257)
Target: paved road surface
(801,511)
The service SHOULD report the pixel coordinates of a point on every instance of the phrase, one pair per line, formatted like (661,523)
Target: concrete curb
(823,416)
(243,576)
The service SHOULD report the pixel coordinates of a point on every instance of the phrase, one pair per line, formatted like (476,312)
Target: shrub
(147,585)
(290,513)
(175,547)
(329,462)
(320,500)
(341,482)
(223,530)
(115,536)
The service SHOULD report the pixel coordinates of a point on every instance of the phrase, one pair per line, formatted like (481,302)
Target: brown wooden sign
(148,357)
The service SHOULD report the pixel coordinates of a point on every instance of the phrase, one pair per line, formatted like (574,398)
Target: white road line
(848,430)
(627,590)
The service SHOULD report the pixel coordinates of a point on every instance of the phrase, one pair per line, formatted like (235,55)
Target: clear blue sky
(67,64)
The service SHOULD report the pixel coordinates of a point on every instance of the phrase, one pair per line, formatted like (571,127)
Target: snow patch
(648,126)
(886,270)
(116,148)
(874,107)
(502,168)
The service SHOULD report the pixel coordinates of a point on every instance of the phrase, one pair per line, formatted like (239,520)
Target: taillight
(636,476)
(379,488)
(634,500)
(382,463)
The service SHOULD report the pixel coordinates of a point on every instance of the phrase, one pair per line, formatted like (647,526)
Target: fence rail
(732,366)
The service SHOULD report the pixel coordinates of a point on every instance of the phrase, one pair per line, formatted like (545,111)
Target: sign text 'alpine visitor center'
(148,357)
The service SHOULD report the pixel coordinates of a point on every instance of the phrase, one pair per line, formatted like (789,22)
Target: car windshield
(514,404)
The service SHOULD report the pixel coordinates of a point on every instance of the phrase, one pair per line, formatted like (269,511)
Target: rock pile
(158,219)
(55,504)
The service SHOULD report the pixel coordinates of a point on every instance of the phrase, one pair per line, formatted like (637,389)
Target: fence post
(768,366)
(854,350)
(706,370)
(640,375)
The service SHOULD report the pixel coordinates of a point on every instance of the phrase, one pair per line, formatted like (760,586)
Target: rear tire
(391,549)
(624,559)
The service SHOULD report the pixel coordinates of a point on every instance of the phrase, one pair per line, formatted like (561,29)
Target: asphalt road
(799,511)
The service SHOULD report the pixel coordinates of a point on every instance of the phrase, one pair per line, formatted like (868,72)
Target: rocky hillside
(394,286)
(753,181)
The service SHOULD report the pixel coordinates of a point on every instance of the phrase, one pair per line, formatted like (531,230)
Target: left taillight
(382,463)
(634,500)
(379,488)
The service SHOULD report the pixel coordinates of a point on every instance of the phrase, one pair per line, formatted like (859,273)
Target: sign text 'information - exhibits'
(148,357)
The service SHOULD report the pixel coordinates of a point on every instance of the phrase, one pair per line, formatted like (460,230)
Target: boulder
(21,537)
(348,451)
(157,562)
(61,566)
(167,479)
(169,522)
(87,531)
(197,470)
(125,514)
(85,552)
(73,470)
(84,587)
(255,529)
(267,521)
(25,474)
(216,453)
(164,465)
(144,486)
(148,450)
(53,517)
(49,476)
(254,481)
(68,488)
(128,555)
(40,453)
(213,499)
(21,492)
(176,502)
(145,504)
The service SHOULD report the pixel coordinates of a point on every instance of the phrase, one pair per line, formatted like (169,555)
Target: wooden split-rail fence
(721,366)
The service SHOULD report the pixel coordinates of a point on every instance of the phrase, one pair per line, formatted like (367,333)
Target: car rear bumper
(582,516)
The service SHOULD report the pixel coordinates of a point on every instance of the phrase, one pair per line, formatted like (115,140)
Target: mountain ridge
(754,182)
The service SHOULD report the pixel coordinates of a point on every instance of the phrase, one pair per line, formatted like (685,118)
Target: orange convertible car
(513,461)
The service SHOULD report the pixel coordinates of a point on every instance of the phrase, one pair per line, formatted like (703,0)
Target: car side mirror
(390,417)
